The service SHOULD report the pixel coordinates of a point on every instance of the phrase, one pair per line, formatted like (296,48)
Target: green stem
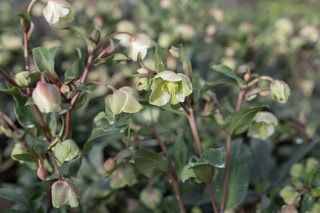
(226,175)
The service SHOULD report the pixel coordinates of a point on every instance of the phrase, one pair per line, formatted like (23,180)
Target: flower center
(171,87)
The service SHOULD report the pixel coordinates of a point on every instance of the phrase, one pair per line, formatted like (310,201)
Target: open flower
(280,91)
(47,97)
(123,100)
(57,11)
(169,86)
(138,44)
(262,125)
(64,192)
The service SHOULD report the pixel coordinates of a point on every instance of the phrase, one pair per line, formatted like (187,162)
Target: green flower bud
(288,193)
(262,125)
(144,84)
(65,151)
(151,197)
(169,86)
(289,209)
(311,164)
(123,100)
(174,52)
(23,79)
(64,192)
(279,91)
(297,170)
(58,11)
(47,97)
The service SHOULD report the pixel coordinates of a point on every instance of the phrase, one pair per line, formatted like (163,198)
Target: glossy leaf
(149,162)
(160,59)
(75,70)
(14,196)
(214,157)
(240,121)
(238,176)
(114,58)
(43,59)
(227,71)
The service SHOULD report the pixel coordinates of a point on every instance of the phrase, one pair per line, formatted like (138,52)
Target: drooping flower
(58,11)
(280,91)
(136,45)
(169,86)
(47,97)
(123,100)
(65,151)
(262,125)
(64,192)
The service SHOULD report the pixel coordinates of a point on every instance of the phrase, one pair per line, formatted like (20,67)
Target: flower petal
(117,101)
(158,97)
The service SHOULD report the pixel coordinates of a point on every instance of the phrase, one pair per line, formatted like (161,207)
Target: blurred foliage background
(277,38)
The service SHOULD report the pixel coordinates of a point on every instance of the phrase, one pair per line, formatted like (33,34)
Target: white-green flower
(280,91)
(64,192)
(169,86)
(47,97)
(262,125)
(123,100)
(57,11)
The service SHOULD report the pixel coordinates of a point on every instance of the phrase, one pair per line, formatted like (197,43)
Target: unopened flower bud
(47,97)
(246,77)
(23,79)
(174,52)
(42,173)
(289,209)
(109,165)
(140,44)
(144,84)
(280,91)
(95,36)
(57,11)
(143,71)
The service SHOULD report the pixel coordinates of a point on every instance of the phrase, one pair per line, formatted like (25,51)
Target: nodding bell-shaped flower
(64,192)
(123,100)
(47,97)
(280,91)
(169,86)
(58,11)
(138,44)
(65,151)
(262,125)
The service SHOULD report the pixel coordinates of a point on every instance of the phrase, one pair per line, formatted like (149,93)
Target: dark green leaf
(214,157)
(12,195)
(75,70)
(114,58)
(23,157)
(212,85)
(53,51)
(149,162)
(26,23)
(238,176)
(43,59)
(160,59)
(179,154)
(306,203)
(240,121)
(227,71)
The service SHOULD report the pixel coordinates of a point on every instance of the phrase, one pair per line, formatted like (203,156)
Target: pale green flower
(57,11)
(123,100)
(262,125)
(64,192)
(169,86)
(47,97)
(280,91)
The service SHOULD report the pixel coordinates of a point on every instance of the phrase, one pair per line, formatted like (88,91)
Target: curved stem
(55,164)
(171,172)
(42,123)
(226,175)
(260,78)
(4,74)
(31,5)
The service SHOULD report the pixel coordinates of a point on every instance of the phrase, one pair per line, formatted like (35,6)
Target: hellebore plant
(54,147)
